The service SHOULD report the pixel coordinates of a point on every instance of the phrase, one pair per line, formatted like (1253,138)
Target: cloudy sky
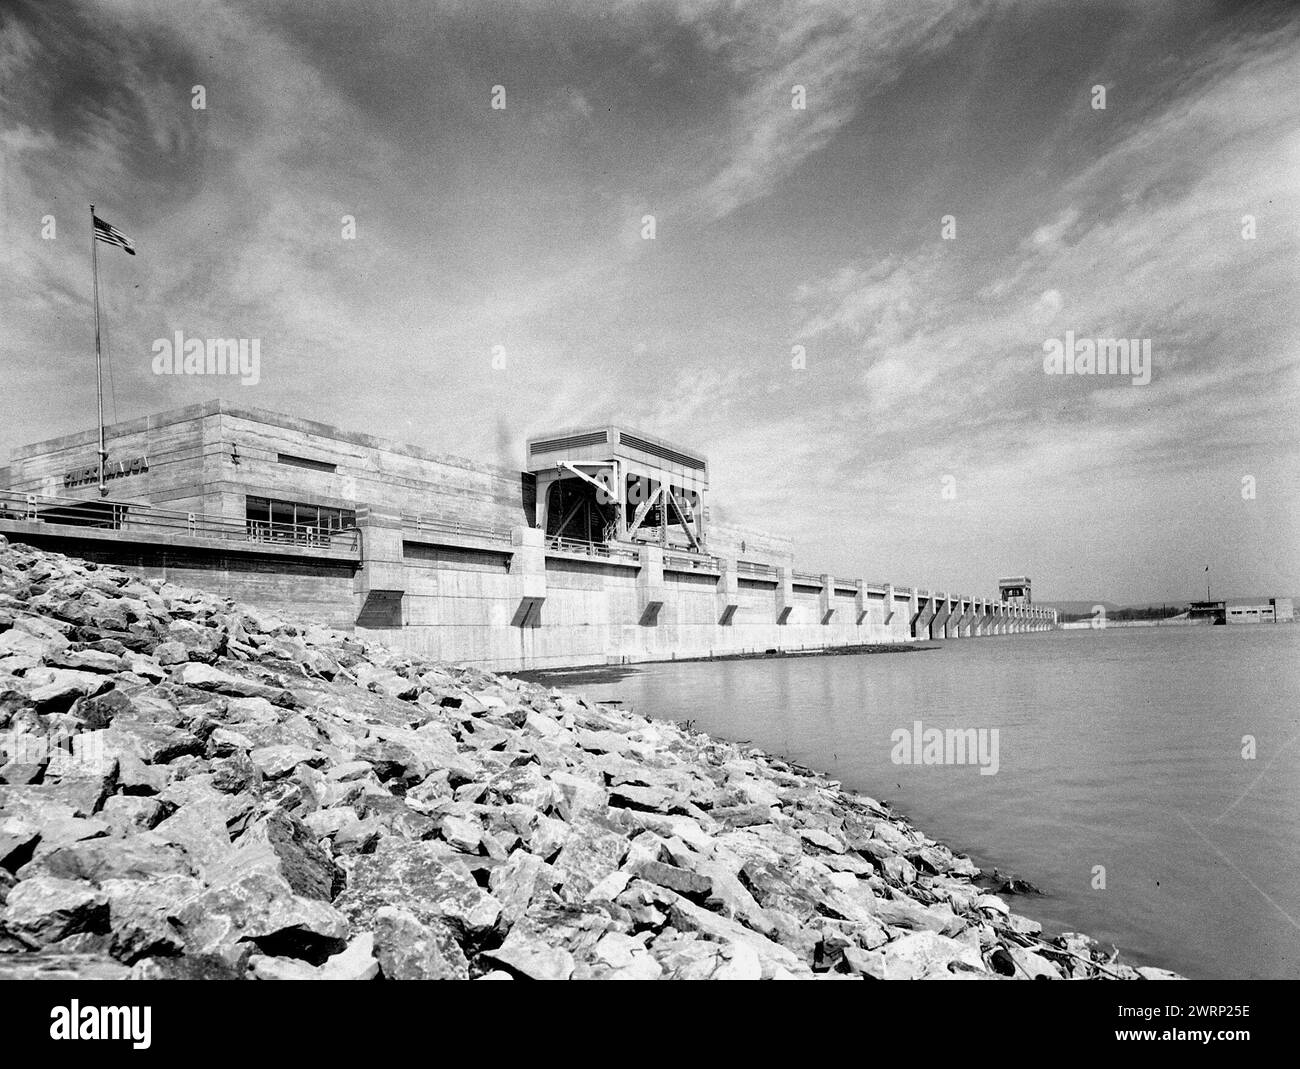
(921,441)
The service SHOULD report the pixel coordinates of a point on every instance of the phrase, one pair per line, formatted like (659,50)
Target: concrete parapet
(953,629)
(826,599)
(650,589)
(728,590)
(380,579)
(527,575)
(784,594)
(923,608)
(967,607)
(382,567)
(960,618)
(942,611)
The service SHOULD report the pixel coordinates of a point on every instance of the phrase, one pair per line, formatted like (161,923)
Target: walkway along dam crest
(603,549)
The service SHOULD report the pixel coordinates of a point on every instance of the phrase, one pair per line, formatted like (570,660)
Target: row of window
(272,511)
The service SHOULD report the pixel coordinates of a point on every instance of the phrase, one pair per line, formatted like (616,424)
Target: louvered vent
(574,441)
(662,452)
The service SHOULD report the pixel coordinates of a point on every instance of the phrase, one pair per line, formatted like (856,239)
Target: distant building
(1259,610)
(1245,610)
(1015,589)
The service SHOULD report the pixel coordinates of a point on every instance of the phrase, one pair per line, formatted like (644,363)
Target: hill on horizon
(1078,608)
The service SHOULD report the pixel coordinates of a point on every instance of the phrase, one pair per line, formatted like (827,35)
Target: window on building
(278,520)
(305,462)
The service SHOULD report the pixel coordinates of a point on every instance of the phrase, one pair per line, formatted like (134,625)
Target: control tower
(1015,589)
(611,484)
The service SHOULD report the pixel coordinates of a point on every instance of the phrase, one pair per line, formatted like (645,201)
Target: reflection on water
(1120,761)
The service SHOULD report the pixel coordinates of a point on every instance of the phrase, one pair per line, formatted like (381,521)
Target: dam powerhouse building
(601,549)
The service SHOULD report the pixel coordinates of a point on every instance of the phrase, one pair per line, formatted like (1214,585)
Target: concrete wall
(462,605)
(368,471)
(174,442)
(207,458)
(314,591)
(472,581)
(518,605)
(761,547)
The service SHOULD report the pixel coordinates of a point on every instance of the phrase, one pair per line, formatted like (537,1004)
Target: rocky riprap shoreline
(192,788)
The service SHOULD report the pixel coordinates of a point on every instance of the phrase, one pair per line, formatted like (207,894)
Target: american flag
(110,235)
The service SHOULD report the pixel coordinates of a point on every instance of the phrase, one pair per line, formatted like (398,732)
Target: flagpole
(99,363)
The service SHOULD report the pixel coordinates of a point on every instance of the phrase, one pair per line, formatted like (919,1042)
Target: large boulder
(519,882)
(930,956)
(594,849)
(283,846)
(45,909)
(688,917)
(199,828)
(206,677)
(141,915)
(533,957)
(423,878)
(409,949)
(260,909)
(137,857)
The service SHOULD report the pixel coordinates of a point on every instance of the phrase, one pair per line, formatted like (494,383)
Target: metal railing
(127,516)
(560,544)
(691,562)
(300,534)
(420,523)
(130,516)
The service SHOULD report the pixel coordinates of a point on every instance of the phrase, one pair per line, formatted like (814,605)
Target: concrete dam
(601,549)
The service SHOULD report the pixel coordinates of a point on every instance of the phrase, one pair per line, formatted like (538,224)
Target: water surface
(1120,748)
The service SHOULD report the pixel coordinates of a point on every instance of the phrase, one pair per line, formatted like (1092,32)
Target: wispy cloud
(519,231)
